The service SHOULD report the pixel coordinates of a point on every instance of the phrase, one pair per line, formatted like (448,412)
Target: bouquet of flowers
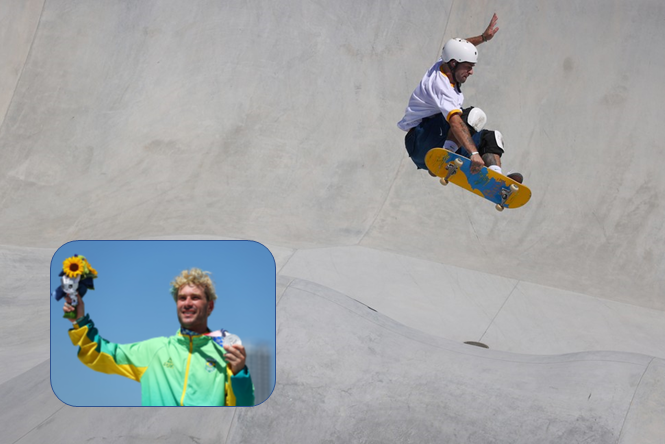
(76,278)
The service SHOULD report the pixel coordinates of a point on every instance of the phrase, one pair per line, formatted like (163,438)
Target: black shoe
(517,177)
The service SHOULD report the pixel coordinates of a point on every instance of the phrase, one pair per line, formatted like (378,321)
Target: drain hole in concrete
(476,344)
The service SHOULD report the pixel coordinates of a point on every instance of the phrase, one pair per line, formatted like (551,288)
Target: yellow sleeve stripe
(450,114)
(230,396)
(99,361)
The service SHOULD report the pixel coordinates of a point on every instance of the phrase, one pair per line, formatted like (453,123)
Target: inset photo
(163,323)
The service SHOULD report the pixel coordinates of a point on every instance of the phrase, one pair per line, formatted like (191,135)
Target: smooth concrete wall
(24,313)
(276,122)
(18,25)
(294,111)
(257,114)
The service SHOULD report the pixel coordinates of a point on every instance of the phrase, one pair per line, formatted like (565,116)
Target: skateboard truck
(452,168)
(505,194)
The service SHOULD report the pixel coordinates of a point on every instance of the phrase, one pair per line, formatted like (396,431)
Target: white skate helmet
(459,50)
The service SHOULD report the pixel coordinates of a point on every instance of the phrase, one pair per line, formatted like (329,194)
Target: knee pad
(491,142)
(499,138)
(475,118)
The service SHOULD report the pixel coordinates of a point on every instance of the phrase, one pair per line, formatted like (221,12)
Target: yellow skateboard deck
(495,187)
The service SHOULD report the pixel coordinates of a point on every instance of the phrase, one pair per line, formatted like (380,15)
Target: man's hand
(79,309)
(491,29)
(476,163)
(235,357)
(487,35)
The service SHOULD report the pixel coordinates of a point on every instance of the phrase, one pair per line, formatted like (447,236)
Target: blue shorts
(432,132)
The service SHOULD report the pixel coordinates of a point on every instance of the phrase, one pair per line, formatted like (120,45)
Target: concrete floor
(276,122)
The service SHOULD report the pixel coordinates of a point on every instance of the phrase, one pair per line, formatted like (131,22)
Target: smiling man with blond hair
(192,368)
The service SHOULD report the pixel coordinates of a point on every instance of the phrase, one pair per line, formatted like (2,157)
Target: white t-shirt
(435,94)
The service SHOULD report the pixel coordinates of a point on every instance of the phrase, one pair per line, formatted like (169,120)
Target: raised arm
(128,360)
(487,35)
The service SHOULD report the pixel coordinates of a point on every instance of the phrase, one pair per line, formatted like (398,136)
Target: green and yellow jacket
(179,370)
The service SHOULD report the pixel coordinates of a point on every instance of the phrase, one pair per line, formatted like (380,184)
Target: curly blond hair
(197,277)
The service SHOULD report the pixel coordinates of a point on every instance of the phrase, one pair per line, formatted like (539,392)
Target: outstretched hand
(491,29)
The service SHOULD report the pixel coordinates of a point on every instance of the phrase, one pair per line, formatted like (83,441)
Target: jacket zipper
(189,358)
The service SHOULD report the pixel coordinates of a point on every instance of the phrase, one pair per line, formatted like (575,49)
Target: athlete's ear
(211,307)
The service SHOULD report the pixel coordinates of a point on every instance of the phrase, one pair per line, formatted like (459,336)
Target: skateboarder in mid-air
(435,117)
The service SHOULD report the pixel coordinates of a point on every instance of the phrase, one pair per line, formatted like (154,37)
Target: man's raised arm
(487,35)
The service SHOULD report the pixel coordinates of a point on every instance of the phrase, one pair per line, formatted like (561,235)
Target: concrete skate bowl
(276,123)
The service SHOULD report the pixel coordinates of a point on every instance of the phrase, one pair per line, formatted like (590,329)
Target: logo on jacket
(210,365)
(168,364)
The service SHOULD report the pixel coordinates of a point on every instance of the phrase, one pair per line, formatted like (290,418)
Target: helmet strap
(453,70)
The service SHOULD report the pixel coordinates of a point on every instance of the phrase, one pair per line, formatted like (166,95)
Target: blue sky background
(131,303)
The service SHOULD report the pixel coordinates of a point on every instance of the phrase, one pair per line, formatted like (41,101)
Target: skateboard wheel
(443,181)
(514,187)
(459,162)
(499,207)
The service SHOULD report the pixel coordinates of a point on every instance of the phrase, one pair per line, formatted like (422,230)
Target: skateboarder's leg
(490,146)
(430,133)
(491,159)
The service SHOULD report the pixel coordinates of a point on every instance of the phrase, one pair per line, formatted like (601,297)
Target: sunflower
(73,266)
